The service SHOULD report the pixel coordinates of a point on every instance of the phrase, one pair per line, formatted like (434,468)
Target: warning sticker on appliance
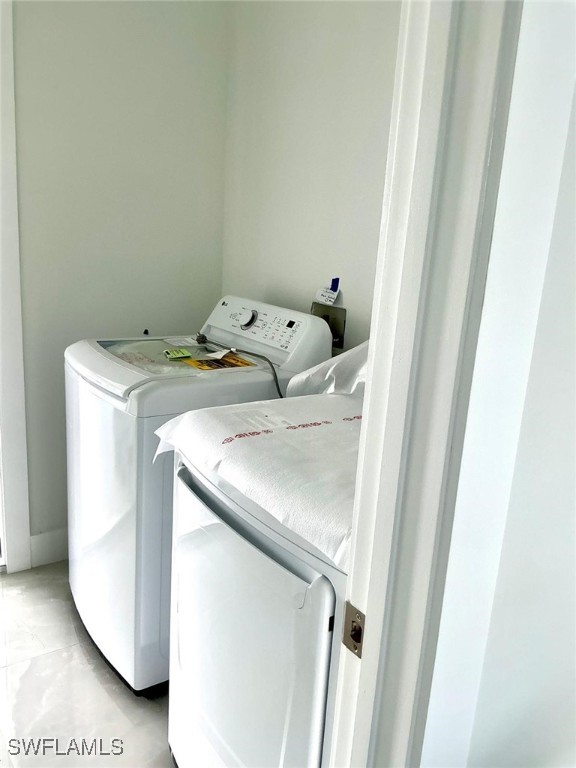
(231,360)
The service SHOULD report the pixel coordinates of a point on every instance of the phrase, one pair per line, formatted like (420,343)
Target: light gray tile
(72,694)
(37,614)
(5,760)
(55,685)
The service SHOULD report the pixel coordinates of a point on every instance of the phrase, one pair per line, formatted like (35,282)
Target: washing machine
(118,392)
(263,501)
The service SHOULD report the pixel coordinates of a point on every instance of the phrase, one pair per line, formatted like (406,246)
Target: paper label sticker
(325,296)
(219,354)
(328,295)
(176,353)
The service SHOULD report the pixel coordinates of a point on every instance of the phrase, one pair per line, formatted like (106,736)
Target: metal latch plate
(353,635)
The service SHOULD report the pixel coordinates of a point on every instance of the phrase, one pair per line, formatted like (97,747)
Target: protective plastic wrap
(294,458)
(345,375)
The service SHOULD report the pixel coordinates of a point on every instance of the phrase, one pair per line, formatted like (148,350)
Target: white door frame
(524,232)
(452,91)
(13,452)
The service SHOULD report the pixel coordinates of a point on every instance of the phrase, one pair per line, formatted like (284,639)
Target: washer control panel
(246,324)
(278,328)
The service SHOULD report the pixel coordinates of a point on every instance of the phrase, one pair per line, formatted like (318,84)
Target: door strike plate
(354,621)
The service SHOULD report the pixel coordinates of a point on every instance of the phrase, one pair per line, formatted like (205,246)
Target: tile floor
(55,685)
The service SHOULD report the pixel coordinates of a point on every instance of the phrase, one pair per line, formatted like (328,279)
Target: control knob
(247,318)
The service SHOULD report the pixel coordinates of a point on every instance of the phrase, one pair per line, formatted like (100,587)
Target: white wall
(309,109)
(169,152)
(120,115)
(526,707)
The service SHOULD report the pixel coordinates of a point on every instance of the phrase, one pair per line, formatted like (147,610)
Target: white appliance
(263,501)
(120,503)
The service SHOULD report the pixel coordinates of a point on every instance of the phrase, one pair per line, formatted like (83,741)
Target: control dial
(247,318)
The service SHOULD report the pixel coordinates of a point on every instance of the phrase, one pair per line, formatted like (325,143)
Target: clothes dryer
(118,392)
(262,523)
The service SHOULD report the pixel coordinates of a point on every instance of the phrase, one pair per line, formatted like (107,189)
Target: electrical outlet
(336,319)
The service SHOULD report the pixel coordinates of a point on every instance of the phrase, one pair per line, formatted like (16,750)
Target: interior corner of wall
(49,547)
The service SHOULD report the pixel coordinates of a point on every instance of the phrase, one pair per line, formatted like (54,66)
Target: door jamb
(452,92)
(13,448)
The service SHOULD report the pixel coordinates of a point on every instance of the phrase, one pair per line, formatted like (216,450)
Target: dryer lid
(293,460)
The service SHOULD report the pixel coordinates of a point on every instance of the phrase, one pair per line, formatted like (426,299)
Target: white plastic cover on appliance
(295,458)
(344,374)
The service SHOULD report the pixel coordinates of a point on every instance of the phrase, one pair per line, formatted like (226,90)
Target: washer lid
(119,366)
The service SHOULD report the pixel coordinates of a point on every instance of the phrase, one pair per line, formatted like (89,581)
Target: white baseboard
(49,547)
